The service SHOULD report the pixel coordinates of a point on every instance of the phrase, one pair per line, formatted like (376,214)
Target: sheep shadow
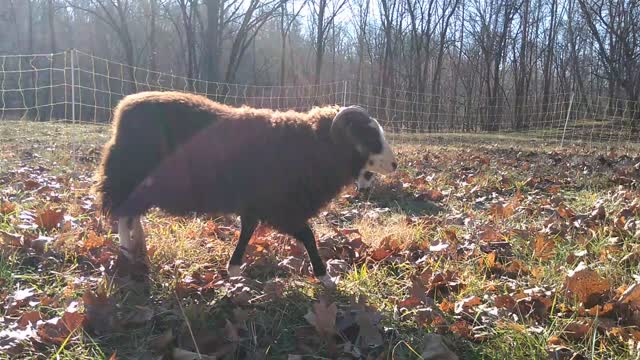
(399,199)
(233,326)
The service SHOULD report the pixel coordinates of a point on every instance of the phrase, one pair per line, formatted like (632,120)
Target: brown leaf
(431,195)
(181,354)
(467,303)
(563,353)
(380,254)
(447,306)
(501,211)
(92,241)
(489,234)
(565,212)
(323,317)
(138,316)
(49,218)
(11,239)
(462,328)
(31,184)
(100,312)
(161,342)
(7,207)
(12,340)
(586,285)
(435,348)
(505,302)
(29,318)
(417,295)
(631,295)
(543,248)
(370,335)
(57,330)
(578,331)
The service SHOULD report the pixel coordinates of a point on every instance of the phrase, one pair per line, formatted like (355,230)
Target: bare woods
(485,56)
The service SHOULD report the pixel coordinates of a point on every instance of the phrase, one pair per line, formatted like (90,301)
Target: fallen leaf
(563,353)
(431,195)
(161,342)
(462,328)
(13,339)
(181,354)
(505,302)
(577,331)
(543,248)
(370,335)
(586,285)
(29,318)
(92,241)
(631,295)
(100,312)
(323,317)
(57,330)
(49,218)
(7,207)
(435,348)
(467,303)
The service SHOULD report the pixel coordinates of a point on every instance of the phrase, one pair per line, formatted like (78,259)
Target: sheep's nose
(394,165)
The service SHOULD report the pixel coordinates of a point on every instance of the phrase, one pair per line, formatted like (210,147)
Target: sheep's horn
(341,121)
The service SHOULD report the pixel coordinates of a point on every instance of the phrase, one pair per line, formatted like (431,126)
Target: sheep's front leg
(248,224)
(132,239)
(306,237)
(124,233)
(138,241)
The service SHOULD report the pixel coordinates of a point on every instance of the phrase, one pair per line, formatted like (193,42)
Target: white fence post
(564,131)
(344,94)
(73,87)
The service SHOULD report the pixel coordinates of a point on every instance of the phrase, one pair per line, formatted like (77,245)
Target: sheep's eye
(371,162)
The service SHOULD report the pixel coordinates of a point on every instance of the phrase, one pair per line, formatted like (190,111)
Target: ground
(475,247)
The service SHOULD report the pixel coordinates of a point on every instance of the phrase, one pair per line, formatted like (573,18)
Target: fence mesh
(80,87)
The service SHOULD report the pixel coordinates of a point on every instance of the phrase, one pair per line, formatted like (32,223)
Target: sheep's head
(354,126)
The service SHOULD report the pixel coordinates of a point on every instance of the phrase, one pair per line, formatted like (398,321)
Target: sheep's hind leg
(138,240)
(306,237)
(124,233)
(248,226)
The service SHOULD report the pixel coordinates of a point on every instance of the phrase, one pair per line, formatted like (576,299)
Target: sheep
(185,153)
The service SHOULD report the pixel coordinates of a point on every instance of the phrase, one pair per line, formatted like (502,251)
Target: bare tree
(51,15)
(255,16)
(115,14)
(286,22)
(212,45)
(324,12)
(615,27)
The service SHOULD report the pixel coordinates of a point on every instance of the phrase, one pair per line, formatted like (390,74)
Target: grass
(451,190)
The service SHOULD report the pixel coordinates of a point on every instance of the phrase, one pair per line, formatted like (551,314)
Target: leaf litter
(513,219)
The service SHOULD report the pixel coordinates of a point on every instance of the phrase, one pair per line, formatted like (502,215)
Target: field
(473,249)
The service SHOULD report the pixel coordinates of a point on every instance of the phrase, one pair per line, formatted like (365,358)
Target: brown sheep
(185,153)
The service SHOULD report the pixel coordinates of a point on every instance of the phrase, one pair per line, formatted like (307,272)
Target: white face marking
(362,182)
(385,162)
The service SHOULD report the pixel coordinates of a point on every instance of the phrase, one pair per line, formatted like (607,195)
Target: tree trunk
(153,46)
(52,27)
(212,45)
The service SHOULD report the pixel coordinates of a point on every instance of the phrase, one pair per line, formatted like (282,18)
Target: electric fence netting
(74,86)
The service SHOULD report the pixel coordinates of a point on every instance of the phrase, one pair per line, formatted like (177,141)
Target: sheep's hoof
(328,281)
(233,270)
